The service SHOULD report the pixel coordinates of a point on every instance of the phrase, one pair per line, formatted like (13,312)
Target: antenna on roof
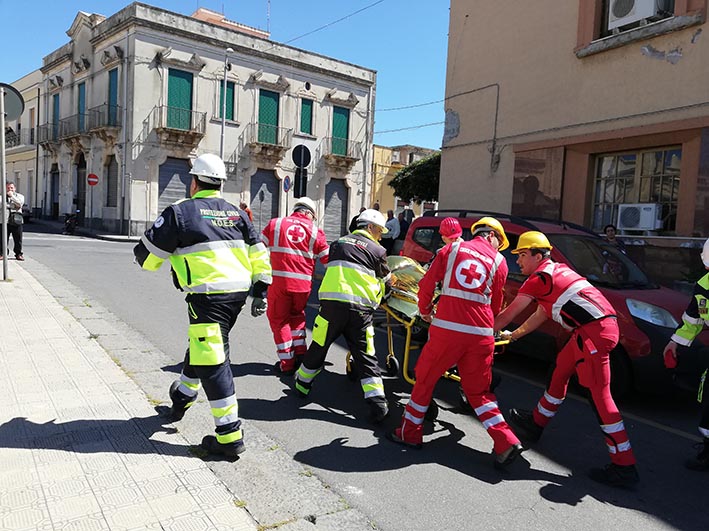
(268,16)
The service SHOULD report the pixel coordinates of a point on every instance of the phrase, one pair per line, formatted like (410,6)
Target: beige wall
(546,92)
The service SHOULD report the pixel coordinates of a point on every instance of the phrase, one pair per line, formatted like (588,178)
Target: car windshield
(601,262)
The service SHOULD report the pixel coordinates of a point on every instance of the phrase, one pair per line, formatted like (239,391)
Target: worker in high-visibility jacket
(353,286)
(570,300)
(472,275)
(694,319)
(217,258)
(295,243)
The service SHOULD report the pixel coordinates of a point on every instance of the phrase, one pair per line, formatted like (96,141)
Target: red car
(648,314)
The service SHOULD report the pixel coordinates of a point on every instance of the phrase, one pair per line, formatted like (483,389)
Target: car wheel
(621,374)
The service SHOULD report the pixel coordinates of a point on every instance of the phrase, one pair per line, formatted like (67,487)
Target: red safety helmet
(450,228)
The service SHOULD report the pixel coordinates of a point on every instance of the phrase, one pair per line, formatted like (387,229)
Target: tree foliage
(418,181)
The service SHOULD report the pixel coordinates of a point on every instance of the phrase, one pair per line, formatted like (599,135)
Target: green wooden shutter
(81,106)
(306,117)
(340,130)
(113,97)
(268,117)
(229,99)
(179,99)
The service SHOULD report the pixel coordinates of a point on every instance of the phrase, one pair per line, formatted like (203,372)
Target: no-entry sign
(92,179)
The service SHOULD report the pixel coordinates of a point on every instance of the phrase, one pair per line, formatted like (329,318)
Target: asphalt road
(450,484)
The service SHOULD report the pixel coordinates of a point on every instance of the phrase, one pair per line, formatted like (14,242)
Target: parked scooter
(70,221)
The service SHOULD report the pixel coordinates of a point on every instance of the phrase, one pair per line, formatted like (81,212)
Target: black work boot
(378,411)
(523,424)
(214,447)
(503,460)
(701,461)
(180,402)
(622,476)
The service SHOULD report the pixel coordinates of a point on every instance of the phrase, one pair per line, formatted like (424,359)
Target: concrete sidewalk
(81,446)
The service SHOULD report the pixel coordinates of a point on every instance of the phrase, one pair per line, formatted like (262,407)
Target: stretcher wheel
(392,366)
(432,412)
(350,369)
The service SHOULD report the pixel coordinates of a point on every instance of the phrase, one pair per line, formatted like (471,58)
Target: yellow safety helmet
(532,240)
(495,225)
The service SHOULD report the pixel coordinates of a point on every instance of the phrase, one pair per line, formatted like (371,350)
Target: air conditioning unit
(395,157)
(624,12)
(640,216)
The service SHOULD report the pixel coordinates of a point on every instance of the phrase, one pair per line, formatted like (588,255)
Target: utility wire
(407,128)
(333,22)
(413,106)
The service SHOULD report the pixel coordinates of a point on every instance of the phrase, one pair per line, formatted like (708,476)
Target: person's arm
(16,200)
(158,242)
(692,325)
(427,285)
(498,287)
(516,307)
(531,324)
(322,249)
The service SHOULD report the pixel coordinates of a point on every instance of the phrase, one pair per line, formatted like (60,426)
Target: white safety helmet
(705,254)
(307,203)
(209,168)
(374,217)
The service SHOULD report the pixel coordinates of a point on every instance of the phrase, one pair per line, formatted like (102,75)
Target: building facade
(134,97)
(592,111)
(21,154)
(387,162)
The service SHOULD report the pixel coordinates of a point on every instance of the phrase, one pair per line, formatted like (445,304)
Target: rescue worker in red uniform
(473,275)
(355,280)
(295,243)
(216,258)
(569,299)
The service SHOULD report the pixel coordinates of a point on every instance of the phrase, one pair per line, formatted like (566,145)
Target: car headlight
(651,313)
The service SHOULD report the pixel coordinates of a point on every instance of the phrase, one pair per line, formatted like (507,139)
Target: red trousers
(286,315)
(473,356)
(588,355)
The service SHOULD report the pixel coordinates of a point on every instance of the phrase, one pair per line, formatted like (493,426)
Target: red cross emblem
(470,274)
(295,233)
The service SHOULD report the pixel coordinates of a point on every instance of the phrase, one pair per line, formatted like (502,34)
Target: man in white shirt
(13,217)
(388,239)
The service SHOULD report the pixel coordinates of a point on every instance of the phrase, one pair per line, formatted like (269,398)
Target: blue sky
(404,40)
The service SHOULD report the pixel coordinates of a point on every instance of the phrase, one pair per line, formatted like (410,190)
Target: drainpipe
(365,158)
(36,152)
(124,138)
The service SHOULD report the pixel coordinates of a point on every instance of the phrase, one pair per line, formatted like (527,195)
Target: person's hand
(670,355)
(258,306)
(506,335)
(427,317)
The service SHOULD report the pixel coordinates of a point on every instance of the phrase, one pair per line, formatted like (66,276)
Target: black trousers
(341,319)
(217,380)
(16,232)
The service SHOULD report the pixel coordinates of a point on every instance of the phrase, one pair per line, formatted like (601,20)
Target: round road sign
(301,156)
(286,183)
(14,103)
(92,179)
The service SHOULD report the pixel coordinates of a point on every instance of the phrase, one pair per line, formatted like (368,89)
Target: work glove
(506,335)
(258,306)
(670,355)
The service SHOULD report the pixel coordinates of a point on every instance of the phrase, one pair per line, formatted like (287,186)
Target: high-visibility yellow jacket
(356,271)
(696,316)
(211,245)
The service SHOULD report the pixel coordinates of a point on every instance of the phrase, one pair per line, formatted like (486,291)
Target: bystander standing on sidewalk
(14,220)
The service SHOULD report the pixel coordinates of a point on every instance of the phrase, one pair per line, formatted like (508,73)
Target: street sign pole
(10,110)
(4,183)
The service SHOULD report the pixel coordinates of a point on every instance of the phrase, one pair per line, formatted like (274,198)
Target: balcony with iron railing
(75,125)
(25,138)
(265,142)
(176,125)
(48,133)
(105,116)
(340,152)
